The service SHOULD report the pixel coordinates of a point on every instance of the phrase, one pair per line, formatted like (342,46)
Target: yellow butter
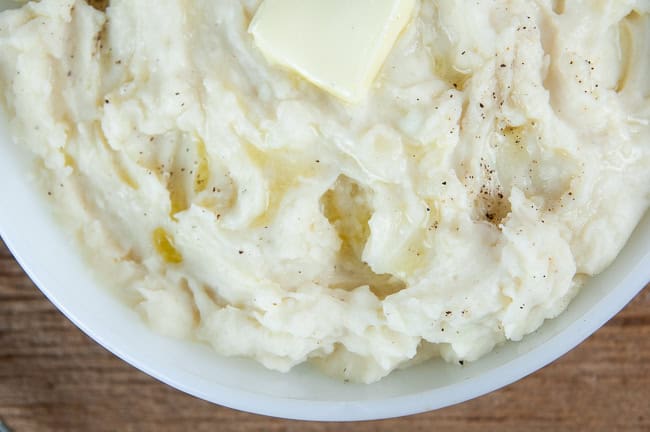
(338,45)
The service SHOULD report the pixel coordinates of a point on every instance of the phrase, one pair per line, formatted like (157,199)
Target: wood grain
(54,378)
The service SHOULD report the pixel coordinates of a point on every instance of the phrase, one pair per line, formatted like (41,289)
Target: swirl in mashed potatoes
(500,159)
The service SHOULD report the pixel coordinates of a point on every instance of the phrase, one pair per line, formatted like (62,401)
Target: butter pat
(338,45)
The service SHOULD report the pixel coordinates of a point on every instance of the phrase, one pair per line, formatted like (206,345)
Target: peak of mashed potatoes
(501,158)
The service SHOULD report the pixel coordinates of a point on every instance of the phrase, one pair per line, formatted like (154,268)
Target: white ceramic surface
(51,259)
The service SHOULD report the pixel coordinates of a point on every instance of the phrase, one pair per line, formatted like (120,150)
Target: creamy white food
(500,158)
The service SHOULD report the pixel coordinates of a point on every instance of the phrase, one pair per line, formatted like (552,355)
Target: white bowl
(51,259)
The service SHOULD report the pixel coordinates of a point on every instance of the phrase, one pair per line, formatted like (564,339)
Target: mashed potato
(501,157)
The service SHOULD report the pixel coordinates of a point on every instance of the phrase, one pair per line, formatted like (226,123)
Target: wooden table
(54,378)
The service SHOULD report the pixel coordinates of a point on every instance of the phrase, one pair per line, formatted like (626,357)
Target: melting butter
(338,45)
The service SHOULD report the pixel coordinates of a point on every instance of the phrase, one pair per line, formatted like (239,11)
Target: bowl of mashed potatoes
(436,200)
